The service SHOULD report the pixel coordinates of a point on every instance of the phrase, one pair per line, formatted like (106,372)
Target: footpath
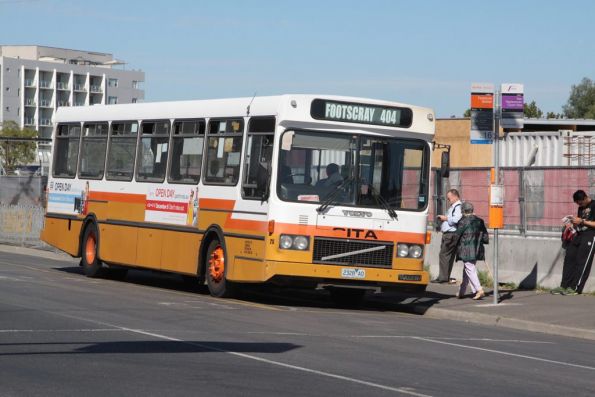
(528,310)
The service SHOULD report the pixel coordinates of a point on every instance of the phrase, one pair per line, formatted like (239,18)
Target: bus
(309,191)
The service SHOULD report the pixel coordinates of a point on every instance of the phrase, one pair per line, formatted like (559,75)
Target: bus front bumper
(262,271)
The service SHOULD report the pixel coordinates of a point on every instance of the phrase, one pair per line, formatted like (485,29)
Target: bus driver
(333,178)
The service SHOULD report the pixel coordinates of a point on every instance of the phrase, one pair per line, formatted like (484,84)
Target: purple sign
(512,102)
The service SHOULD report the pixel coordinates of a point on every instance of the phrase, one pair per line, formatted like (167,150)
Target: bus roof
(228,107)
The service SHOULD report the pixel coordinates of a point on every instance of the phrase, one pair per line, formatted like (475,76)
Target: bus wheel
(216,271)
(90,257)
(347,297)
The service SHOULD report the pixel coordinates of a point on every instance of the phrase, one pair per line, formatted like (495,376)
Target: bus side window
(186,151)
(257,162)
(93,146)
(224,148)
(152,151)
(122,151)
(66,150)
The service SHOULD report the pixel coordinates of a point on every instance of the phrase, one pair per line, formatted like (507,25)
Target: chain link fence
(535,199)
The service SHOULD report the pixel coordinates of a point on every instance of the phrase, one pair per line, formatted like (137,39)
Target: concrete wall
(525,261)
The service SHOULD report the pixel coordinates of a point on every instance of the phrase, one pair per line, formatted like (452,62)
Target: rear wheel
(90,258)
(216,270)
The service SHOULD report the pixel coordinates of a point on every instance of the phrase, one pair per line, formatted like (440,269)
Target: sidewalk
(536,311)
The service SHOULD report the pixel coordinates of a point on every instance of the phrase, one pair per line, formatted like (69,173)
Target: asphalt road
(150,334)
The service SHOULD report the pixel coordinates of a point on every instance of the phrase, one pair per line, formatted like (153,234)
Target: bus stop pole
(497,182)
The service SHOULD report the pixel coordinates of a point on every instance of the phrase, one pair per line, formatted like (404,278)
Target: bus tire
(90,254)
(216,271)
(347,297)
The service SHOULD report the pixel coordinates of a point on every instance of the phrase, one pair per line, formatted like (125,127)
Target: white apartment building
(37,80)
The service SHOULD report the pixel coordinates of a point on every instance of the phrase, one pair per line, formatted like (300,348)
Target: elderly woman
(472,236)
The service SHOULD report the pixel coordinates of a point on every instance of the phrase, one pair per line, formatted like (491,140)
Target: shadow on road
(395,301)
(148,347)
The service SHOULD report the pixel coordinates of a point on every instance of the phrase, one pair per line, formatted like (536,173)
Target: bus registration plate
(350,272)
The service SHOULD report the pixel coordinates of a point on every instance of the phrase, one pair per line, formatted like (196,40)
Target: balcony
(29,83)
(96,89)
(62,86)
(79,87)
(30,102)
(79,104)
(45,84)
(63,103)
(45,122)
(45,103)
(29,121)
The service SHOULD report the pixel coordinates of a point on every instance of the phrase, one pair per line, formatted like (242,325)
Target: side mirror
(445,165)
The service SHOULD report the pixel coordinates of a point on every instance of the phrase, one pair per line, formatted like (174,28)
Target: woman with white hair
(473,235)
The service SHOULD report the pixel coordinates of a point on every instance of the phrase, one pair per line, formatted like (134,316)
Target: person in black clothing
(580,251)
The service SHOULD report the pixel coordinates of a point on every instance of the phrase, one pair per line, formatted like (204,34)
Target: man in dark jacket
(473,235)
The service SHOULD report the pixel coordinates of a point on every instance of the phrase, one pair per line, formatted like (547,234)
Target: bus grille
(329,251)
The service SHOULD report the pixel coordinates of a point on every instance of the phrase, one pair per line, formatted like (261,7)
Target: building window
(137,84)
(8,109)
(134,100)
(112,100)
(112,82)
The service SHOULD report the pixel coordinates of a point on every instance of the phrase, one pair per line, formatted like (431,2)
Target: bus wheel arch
(214,264)
(90,261)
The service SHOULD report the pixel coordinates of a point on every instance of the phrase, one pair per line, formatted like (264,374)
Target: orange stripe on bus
(119,197)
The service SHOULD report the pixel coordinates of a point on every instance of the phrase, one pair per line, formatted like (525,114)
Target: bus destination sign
(349,112)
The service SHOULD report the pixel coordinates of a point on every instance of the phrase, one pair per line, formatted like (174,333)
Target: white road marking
(401,390)
(17,331)
(545,360)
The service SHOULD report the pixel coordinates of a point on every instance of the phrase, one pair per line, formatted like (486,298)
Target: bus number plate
(349,272)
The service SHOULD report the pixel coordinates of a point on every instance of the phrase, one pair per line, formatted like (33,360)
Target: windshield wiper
(331,197)
(380,200)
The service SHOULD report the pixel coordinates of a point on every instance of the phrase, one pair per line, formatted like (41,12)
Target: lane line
(401,390)
(17,331)
(545,360)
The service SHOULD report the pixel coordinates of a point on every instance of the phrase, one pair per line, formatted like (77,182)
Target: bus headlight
(288,242)
(409,250)
(285,242)
(402,250)
(300,243)
(415,251)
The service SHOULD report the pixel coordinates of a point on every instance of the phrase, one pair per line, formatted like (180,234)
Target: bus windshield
(353,170)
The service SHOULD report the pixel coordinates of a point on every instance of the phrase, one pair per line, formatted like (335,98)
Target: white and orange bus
(306,190)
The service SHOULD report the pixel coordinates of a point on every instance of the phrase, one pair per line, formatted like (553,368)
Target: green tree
(531,110)
(467,113)
(14,153)
(552,115)
(581,102)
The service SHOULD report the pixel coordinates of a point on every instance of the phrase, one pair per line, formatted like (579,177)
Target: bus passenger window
(92,162)
(257,166)
(152,152)
(186,151)
(66,150)
(122,151)
(224,148)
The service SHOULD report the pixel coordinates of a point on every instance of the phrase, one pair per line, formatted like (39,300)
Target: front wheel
(91,263)
(216,270)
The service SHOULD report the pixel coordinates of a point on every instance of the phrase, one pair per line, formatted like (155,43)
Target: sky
(425,53)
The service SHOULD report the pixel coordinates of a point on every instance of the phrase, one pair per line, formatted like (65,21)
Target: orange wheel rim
(90,248)
(217,264)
